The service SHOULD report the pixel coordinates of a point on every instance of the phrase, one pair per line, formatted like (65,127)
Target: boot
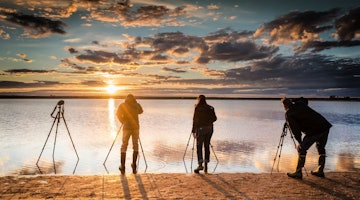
(206,167)
(122,166)
(133,165)
(300,165)
(320,170)
(199,168)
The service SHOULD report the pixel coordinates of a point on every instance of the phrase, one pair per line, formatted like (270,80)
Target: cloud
(34,27)
(176,70)
(317,46)
(29,71)
(297,26)
(348,26)
(23,57)
(240,51)
(150,15)
(18,84)
(310,71)
(102,57)
(4,35)
(72,50)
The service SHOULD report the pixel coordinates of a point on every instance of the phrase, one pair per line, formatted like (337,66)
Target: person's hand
(298,147)
(194,135)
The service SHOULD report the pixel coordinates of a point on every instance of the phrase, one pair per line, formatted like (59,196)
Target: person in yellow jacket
(128,114)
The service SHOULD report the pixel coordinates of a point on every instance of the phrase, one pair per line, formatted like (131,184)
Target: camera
(300,100)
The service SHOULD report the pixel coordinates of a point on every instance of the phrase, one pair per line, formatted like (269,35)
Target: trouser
(134,133)
(204,135)
(319,139)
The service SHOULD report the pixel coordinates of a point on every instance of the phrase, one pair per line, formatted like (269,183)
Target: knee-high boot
(320,170)
(122,166)
(133,165)
(300,165)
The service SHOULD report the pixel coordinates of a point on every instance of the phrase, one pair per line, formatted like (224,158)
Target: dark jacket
(301,118)
(204,115)
(128,113)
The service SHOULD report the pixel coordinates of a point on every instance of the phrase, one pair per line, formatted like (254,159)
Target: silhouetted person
(302,119)
(128,114)
(204,116)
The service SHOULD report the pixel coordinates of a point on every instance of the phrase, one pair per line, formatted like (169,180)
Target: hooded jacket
(204,115)
(128,113)
(302,118)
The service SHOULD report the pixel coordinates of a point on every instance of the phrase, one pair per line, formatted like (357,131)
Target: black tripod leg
(192,154)
(142,150)
(187,145)
(42,150)
(277,151)
(112,145)
(71,142)
(281,146)
(217,160)
(57,126)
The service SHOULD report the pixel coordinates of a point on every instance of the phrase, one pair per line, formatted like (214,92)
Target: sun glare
(111,89)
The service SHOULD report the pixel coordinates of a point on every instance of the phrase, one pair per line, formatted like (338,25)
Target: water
(246,137)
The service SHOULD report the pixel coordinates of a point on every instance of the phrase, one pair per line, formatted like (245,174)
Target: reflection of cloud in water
(4,159)
(233,154)
(169,153)
(346,162)
(46,167)
(230,146)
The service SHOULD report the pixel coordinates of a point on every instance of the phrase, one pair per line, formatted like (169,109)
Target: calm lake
(246,137)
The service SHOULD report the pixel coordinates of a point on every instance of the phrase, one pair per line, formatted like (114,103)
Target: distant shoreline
(176,97)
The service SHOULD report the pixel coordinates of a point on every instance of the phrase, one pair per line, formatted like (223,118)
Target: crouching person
(302,119)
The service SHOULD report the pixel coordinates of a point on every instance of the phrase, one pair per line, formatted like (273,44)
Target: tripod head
(61,102)
(284,130)
(60,106)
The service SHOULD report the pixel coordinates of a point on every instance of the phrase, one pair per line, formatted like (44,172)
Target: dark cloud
(17,84)
(93,83)
(348,26)
(170,41)
(176,70)
(297,25)
(72,50)
(309,71)
(29,71)
(34,26)
(240,51)
(102,57)
(228,35)
(317,46)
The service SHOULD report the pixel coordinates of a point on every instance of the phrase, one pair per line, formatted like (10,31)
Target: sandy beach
(336,185)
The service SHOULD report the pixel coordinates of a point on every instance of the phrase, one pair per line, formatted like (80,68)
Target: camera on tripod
(299,100)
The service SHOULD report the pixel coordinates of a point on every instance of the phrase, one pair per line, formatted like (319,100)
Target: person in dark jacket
(202,130)
(128,114)
(302,119)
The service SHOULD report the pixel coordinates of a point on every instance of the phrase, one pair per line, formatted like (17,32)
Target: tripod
(138,160)
(59,115)
(280,145)
(192,154)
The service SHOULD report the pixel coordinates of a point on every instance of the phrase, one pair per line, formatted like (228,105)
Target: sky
(238,48)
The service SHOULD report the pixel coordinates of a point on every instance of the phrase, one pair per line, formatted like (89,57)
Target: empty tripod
(59,115)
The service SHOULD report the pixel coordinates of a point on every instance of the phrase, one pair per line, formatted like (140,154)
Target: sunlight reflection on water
(245,138)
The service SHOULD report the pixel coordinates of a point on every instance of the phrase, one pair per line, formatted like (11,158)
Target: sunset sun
(111,89)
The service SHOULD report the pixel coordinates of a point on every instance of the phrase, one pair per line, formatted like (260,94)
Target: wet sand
(336,185)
